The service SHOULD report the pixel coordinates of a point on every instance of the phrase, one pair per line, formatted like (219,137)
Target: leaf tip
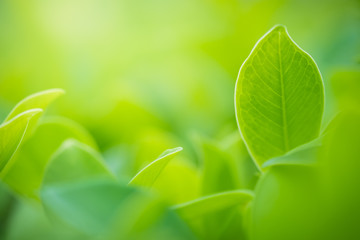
(279,28)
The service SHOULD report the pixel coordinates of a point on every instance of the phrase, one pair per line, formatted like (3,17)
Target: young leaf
(220,170)
(79,189)
(213,203)
(11,135)
(287,196)
(179,183)
(38,100)
(148,175)
(279,97)
(37,151)
(75,161)
(88,205)
(302,155)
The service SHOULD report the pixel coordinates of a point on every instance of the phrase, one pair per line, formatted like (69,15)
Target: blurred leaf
(148,218)
(88,198)
(75,155)
(38,100)
(346,87)
(88,205)
(217,216)
(29,221)
(279,97)
(36,152)
(248,173)
(219,170)
(213,203)
(79,190)
(303,155)
(148,175)
(287,204)
(12,133)
(179,183)
(340,174)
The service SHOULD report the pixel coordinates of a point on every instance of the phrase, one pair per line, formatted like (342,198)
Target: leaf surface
(279,97)
(148,175)
(75,161)
(219,171)
(38,100)
(302,155)
(35,153)
(11,135)
(213,203)
(78,188)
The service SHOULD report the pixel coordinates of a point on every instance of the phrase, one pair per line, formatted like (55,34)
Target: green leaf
(75,161)
(12,133)
(279,97)
(179,183)
(340,174)
(213,203)
(37,151)
(89,205)
(302,155)
(217,216)
(38,100)
(287,204)
(148,175)
(219,171)
(79,190)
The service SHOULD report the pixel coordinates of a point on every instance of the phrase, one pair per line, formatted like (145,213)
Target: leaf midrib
(283,104)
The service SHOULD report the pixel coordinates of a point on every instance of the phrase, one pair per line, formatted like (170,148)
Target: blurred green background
(144,76)
(148,70)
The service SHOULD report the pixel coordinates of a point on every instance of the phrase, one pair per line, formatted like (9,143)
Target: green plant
(279,103)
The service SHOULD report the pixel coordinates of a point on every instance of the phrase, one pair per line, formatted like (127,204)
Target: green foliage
(38,100)
(148,175)
(75,183)
(12,133)
(91,174)
(20,120)
(213,203)
(219,170)
(216,216)
(33,158)
(279,97)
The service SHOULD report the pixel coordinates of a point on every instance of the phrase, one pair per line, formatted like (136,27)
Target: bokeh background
(144,76)
(157,69)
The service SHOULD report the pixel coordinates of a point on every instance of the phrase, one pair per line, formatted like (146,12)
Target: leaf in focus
(148,175)
(37,151)
(11,135)
(38,100)
(279,97)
